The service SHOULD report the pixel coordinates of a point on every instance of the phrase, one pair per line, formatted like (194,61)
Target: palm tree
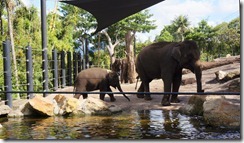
(181,25)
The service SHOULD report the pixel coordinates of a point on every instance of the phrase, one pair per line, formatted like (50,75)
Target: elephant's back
(92,73)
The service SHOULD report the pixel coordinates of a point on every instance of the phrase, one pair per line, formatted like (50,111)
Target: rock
(15,114)
(224,76)
(218,111)
(228,55)
(234,86)
(185,71)
(42,106)
(188,81)
(232,75)
(26,109)
(5,110)
(194,106)
(115,109)
(64,105)
(220,75)
(94,106)
(72,105)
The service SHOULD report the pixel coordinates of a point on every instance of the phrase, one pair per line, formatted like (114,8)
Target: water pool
(146,124)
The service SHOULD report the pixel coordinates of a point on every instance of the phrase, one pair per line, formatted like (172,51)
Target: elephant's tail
(137,79)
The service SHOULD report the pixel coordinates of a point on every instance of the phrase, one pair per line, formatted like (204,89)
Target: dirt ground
(209,84)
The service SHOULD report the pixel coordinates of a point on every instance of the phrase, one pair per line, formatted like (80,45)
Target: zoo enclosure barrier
(62,66)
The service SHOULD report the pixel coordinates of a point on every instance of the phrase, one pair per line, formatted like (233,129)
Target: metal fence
(63,67)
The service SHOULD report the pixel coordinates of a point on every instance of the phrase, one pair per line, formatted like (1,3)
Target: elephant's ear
(176,54)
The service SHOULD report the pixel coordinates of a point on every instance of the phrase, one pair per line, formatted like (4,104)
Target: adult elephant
(97,79)
(166,60)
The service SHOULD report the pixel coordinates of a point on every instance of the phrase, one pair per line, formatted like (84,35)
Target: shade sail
(108,12)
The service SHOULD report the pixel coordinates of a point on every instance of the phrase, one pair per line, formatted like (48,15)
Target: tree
(2,5)
(10,5)
(111,46)
(126,29)
(234,35)
(164,36)
(139,22)
(76,23)
(201,34)
(180,25)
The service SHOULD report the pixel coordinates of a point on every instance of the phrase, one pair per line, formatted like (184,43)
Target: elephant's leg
(176,85)
(141,89)
(167,88)
(77,95)
(146,89)
(84,95)
(111,95)
(102,95)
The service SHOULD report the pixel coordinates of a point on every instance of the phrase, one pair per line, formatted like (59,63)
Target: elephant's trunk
(120,89)
(198,74)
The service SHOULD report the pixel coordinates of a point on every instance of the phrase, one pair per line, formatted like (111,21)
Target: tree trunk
(10,5)
(130,56)
(111,47)
(1,22)
(209,65)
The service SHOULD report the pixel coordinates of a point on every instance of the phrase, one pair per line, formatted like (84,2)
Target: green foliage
(139,22)
(213,41)
(164,36)
(101,59)
(141,45)
(180,25)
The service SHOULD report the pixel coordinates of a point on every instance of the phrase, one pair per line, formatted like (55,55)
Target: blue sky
(214,11)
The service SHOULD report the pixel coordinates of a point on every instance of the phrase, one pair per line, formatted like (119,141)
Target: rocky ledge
(60,105)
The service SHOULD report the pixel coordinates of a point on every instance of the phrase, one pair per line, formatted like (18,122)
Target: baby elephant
(97,78)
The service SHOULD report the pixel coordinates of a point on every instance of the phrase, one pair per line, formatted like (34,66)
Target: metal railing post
(55,69)
(86,54)
(69,69)
(7,72)
(80,62)
(63,74)
(44,47)
(75,65)
(29,71)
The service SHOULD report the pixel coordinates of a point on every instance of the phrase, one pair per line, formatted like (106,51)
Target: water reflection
(160,124)
(146,124)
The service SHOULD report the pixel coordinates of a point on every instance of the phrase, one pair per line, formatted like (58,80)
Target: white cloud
(214,11)
(227,6)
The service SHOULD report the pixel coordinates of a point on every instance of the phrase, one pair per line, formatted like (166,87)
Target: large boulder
(4,110)
(91,106)
(94,106)
(42,106)
(64,105)
(218,111)
(220,75)
(226,76)
(194,105)
(21,108)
